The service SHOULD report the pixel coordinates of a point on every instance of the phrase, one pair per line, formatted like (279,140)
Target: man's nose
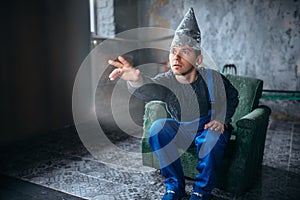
(177,55)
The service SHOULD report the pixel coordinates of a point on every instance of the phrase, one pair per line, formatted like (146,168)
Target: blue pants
(167,135)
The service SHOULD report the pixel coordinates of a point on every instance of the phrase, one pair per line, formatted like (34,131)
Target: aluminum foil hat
(188,32)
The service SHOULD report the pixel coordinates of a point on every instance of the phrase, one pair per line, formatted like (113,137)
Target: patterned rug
(60,161)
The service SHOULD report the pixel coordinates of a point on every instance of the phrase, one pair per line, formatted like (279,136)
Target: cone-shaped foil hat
(188,32)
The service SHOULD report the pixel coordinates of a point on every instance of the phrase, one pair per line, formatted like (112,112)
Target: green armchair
(244,153)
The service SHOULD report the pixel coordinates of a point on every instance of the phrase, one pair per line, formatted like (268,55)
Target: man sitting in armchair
(201,104)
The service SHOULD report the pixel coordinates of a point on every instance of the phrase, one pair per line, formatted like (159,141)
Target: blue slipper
(198,196)
(171,195)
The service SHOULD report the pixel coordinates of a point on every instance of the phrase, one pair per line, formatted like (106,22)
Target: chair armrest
(254,118)
(154,110)
(251,129)
(250,141)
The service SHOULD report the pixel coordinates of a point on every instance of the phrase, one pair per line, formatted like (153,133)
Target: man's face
(182,59)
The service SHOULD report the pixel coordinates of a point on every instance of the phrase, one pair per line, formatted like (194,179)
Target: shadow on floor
(58,164)
(16,189)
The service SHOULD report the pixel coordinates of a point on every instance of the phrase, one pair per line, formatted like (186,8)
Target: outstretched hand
(124,70)
(215,126)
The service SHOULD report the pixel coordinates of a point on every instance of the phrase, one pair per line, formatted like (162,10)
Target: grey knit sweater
(185,102)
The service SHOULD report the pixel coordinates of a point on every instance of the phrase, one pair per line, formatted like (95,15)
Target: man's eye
(173,51)
(186,52)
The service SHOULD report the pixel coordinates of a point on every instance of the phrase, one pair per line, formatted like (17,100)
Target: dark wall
(125,13)
(43,43)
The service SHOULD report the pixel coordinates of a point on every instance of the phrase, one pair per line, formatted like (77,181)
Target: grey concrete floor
(58,160)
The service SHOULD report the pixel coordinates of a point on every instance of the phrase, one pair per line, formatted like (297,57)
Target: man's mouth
(177,66)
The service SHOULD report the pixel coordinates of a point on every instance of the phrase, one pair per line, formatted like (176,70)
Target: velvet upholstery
(244,153)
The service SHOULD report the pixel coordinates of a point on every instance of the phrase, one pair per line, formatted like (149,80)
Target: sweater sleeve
(152,89)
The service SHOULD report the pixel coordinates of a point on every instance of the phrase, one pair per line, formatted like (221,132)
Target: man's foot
(172,195)
(198,196)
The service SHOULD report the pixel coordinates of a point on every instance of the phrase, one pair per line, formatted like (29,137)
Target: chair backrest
(229,69)
(250,91)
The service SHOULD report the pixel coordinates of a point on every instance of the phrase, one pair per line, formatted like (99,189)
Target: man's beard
(185,73)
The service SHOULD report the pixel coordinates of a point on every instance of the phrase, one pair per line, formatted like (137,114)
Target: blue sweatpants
(167,135)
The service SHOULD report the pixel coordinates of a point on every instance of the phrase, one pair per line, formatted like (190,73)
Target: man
(201,103)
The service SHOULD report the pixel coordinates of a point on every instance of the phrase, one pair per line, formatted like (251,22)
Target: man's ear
(199,59)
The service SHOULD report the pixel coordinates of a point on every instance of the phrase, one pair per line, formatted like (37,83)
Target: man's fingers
(115,63)
(123,61)
(115,73)
(215,126)
(125,71)
(206,126)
